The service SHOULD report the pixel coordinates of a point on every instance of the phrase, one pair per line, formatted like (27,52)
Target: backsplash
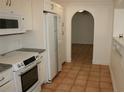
(10,43)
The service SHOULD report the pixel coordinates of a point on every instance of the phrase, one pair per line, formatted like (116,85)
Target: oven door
(28,79)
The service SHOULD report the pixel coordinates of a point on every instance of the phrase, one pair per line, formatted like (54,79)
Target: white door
(51,44)
(60,44)
(61,41)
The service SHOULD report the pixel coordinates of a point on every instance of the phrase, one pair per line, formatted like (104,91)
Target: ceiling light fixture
(80,11)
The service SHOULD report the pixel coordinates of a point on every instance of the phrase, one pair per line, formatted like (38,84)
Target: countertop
(31,50)
(4,67)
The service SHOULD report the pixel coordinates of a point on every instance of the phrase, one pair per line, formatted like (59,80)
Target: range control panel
(24,63)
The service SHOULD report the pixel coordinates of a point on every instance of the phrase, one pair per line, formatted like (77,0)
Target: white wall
(9,43)
(13,42)
(82,28)
(118,22)
(103,17)
(35,38)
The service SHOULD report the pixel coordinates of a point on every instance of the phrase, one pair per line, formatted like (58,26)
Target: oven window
(29,78)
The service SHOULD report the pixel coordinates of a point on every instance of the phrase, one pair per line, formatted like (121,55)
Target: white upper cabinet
(26,12)
(52,7)
(118,22)
(11,5)
(47,5)
(19,7)
(119,3)
(56,8)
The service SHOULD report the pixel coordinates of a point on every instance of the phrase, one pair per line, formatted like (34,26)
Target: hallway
(82,53)
(81,75)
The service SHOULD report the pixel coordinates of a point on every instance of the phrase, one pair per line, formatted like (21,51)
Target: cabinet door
(118,71)
(14,5)
(1,4)
(26,13)
(43,69)
(22,8)
(41,73)
(9,87)
(47,5)
(61,34)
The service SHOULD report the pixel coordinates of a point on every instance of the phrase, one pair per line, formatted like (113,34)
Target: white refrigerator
(51,28)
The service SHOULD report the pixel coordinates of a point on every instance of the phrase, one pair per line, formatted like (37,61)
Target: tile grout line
(87,79)
(78,58)
(60,82)
(75,79)
(99,78)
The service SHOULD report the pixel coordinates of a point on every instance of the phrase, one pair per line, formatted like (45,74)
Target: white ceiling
(117,3)
(63,2)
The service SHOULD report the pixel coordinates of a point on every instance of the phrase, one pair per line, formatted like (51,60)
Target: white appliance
(25,69)
(11,23)
(50,28)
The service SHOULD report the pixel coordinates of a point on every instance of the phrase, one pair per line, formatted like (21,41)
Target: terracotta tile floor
(80,75)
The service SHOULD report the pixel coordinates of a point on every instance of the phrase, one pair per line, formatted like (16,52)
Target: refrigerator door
(52,51)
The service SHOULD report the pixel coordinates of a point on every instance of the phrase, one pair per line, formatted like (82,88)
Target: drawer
(8,87)
(6,76)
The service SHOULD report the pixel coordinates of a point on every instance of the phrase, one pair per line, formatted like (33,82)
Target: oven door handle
(28,69)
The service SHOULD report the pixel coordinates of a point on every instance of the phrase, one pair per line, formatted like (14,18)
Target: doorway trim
(69,34)
(81,11)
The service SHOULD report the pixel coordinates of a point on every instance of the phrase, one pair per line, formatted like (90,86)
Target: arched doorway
(82,37)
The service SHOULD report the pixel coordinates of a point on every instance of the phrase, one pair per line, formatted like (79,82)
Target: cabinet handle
(2,78)
(118,52)
(7,2)
(5,83)
(52,6)
(10,3)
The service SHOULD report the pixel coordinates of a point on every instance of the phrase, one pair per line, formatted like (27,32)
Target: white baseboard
(69,61)
(113,79)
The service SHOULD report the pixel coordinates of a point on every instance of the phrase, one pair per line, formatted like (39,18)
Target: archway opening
(82,37)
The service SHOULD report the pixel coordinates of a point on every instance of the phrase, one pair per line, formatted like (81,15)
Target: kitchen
(31,50)
(22,39)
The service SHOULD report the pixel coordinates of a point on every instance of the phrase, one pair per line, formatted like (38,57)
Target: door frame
(93,31)
(69,33)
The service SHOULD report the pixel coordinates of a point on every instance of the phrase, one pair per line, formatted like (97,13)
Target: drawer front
(6,76)
(9,87)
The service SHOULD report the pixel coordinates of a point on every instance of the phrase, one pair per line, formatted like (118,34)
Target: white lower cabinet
(43,69)
(9,87)
(117,68)
(42,72)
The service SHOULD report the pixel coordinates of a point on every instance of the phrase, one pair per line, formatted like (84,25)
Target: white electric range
(25,69)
